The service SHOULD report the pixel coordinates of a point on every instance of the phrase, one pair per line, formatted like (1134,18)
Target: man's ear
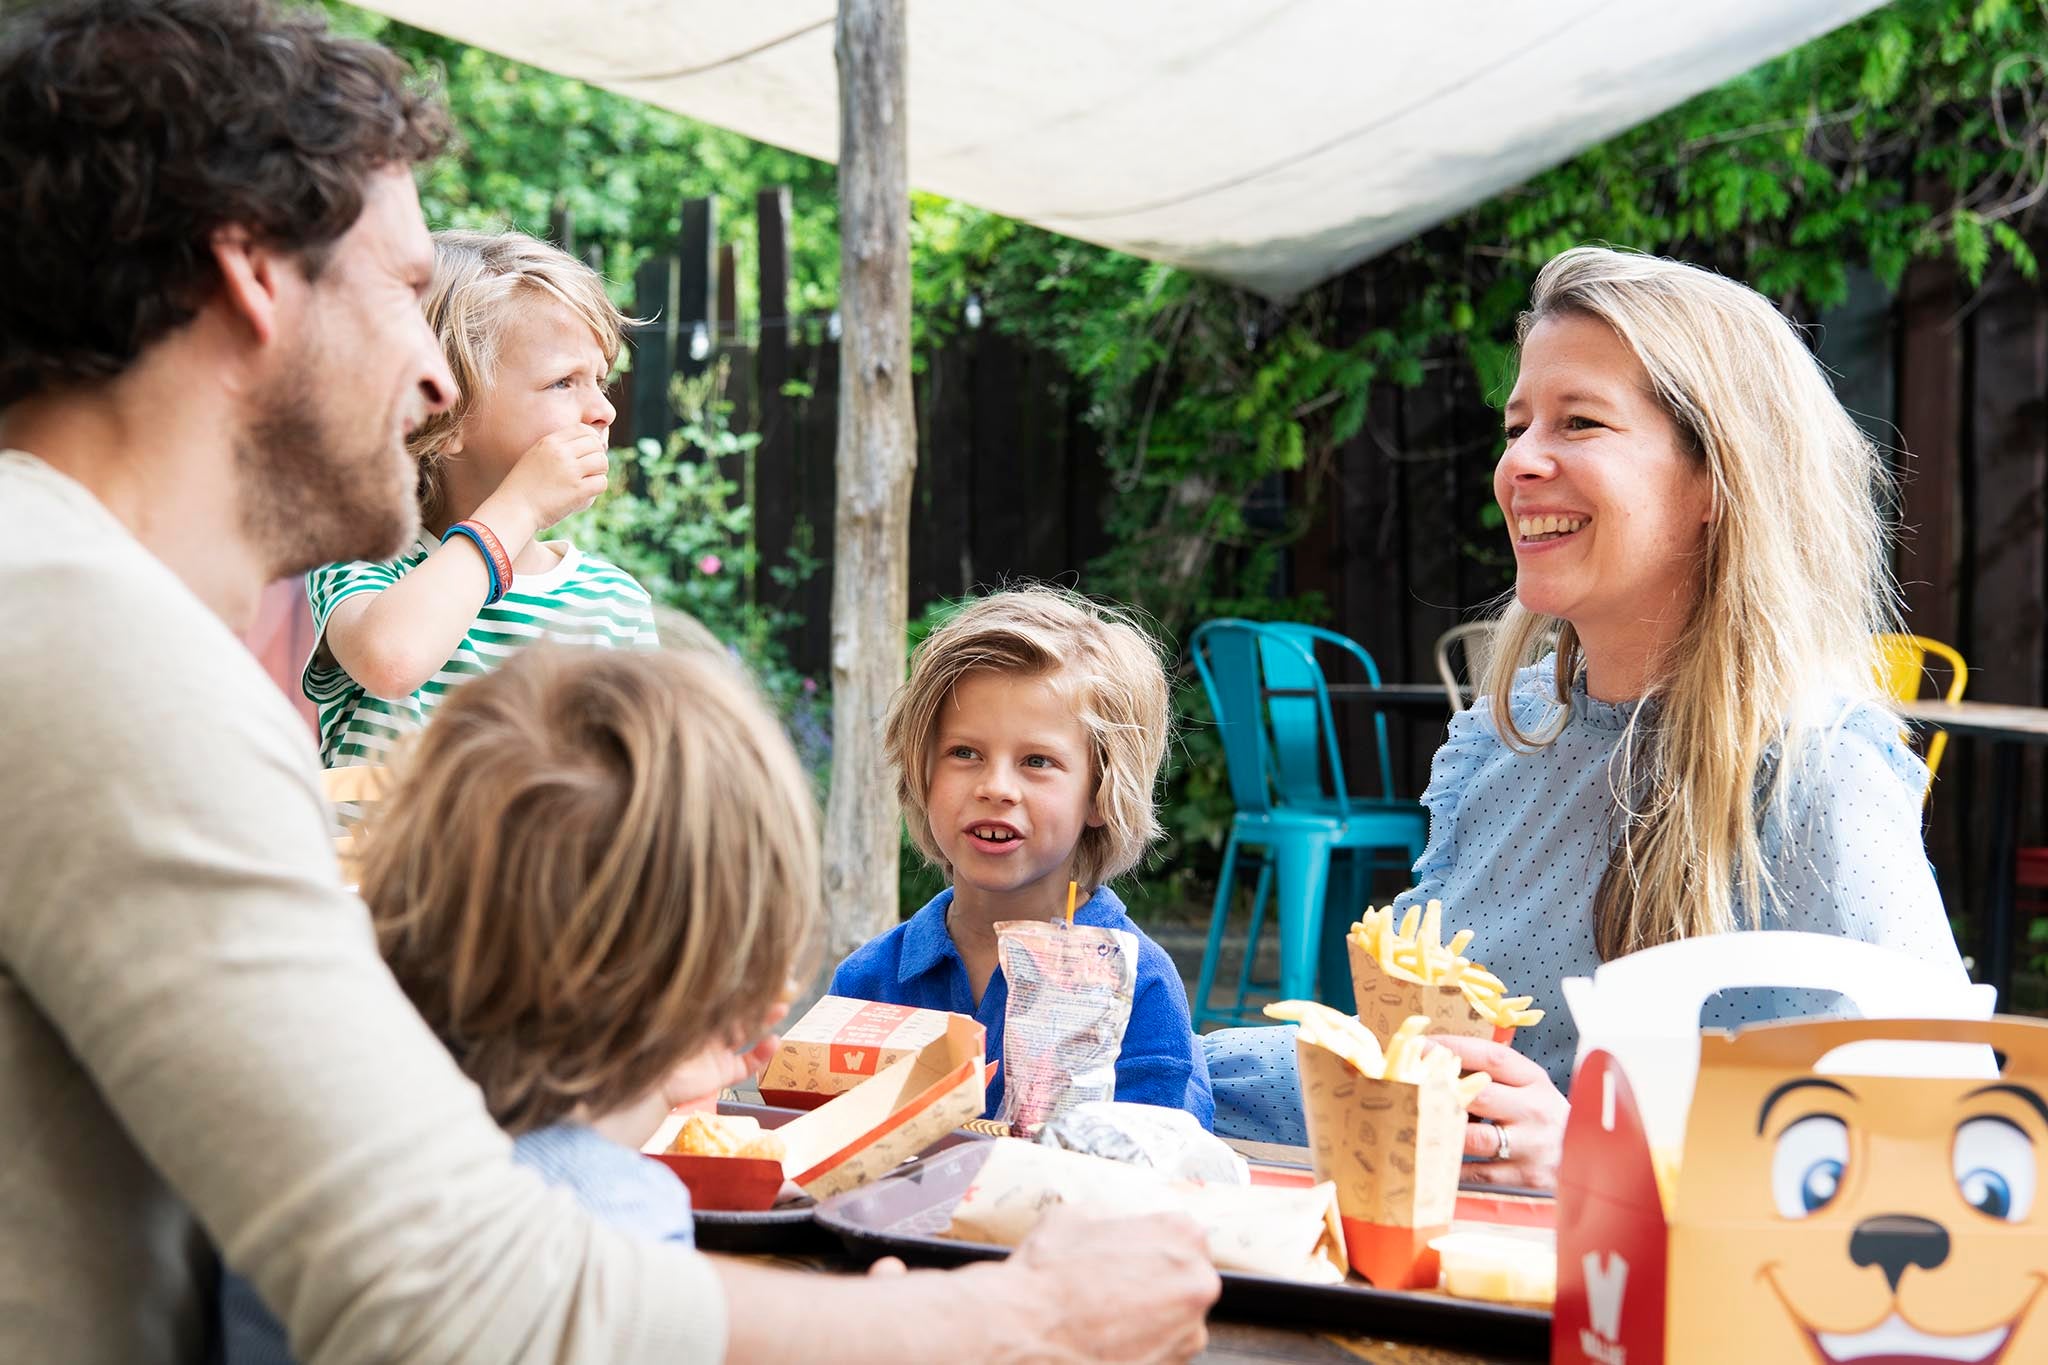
(250,276)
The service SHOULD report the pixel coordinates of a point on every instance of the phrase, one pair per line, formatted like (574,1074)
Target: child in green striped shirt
(531,337)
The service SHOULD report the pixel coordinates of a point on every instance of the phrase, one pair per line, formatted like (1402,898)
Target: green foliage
(533,142)
(675,521)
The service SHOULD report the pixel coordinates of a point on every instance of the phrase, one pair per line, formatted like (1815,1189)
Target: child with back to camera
(594,877)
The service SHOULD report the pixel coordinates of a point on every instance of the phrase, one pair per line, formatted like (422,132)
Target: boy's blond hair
(1117,681)
(478,276)
(592,865)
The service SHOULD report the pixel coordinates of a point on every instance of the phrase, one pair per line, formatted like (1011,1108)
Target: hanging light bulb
(700,341)
(974,312)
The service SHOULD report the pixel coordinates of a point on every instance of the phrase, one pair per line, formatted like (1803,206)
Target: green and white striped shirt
(581,601)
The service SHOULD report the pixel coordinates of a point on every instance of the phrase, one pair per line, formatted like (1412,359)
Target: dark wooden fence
(1009,482)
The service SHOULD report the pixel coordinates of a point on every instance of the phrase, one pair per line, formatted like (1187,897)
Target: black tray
(784,1231)
(904,1215)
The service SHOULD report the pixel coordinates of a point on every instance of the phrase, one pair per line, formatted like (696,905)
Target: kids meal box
(1826,1191)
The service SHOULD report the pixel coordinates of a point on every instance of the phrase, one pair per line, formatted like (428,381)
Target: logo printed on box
(856,1048)
(1606,1281)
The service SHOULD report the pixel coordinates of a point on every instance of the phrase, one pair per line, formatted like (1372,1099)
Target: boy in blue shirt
(1027,743)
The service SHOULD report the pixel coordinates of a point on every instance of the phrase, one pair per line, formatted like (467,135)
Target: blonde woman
(1694,517)
(530,336)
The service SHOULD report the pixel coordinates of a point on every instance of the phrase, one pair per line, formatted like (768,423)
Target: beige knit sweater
(198,1040)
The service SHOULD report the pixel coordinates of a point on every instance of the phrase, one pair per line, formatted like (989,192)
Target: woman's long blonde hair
(1794,585)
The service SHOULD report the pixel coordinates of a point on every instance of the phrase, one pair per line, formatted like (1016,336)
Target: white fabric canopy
(1270,142)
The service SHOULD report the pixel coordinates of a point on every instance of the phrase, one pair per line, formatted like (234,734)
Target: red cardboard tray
(785,1231)
(907,1213)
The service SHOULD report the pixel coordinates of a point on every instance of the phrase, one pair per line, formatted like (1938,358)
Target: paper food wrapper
(857,1137)
(1071,990)
(1287,1233)
(1385,1001)
(1394,1152)
(841,1042)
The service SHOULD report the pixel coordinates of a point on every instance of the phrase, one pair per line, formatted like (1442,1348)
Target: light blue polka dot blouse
(1518,843)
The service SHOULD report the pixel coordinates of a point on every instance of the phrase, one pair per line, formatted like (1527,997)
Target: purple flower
(710,564)
(810,686)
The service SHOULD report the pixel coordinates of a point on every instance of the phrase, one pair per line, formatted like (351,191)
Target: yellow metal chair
(1902,666)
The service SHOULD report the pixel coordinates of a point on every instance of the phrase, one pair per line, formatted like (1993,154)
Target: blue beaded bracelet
(469,533)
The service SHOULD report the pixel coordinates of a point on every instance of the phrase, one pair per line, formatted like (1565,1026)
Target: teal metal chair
(1272,709)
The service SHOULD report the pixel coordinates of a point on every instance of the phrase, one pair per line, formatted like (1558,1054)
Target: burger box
(1813,1190)
(840,1043)
(1385,1001)
(858,1136)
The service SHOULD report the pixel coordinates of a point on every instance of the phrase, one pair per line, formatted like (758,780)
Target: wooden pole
(875,459)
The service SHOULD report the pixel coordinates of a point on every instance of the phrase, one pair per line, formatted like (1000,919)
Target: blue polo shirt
(916,964)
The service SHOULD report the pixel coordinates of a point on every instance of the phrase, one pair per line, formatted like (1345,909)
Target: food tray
(906,1214)
(786,1231)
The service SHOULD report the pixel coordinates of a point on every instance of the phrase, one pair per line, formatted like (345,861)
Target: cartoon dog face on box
(1838,1218)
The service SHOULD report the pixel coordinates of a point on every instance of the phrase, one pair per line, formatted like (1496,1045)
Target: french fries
(1404,1060)
(1414,951)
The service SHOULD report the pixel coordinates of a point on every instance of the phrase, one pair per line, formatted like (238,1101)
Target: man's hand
(1114,1289)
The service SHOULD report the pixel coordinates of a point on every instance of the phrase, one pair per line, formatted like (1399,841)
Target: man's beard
(310,496)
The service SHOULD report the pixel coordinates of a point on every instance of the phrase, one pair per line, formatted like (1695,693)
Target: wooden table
(1245,1343)
(2006,729)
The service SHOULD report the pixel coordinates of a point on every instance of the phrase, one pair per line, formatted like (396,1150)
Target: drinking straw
(1073,890)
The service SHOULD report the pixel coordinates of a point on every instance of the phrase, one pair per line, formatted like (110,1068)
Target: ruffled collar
(1607,715)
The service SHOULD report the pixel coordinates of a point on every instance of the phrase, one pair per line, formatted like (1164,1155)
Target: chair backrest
(1902,667)
(1306,757)
(1470,639)
(1226,655)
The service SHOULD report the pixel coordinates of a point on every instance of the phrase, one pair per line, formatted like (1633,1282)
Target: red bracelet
(494,551)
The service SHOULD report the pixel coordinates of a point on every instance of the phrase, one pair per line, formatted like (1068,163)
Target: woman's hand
(1526,1109)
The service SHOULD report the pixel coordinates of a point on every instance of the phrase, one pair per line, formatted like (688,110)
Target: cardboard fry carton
(1385,1000)
(1393,1150)
(862,1134)
(841,1042)
(1833,1189)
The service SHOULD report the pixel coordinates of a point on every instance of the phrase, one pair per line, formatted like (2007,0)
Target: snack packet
(1170,1141)
(1071,988)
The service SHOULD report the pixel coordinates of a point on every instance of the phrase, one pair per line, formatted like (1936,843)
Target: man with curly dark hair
(211,353)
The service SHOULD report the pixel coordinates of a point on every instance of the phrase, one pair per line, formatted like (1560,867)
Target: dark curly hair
(135,129)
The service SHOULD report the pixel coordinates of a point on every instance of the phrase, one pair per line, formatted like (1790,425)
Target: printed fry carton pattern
(1384,1001)
(1394,1151)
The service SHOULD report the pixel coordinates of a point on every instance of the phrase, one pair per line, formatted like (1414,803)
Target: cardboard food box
(1384,1001)
(1817,1190)
(857,1137)
(1394,1151)
(841,1042)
